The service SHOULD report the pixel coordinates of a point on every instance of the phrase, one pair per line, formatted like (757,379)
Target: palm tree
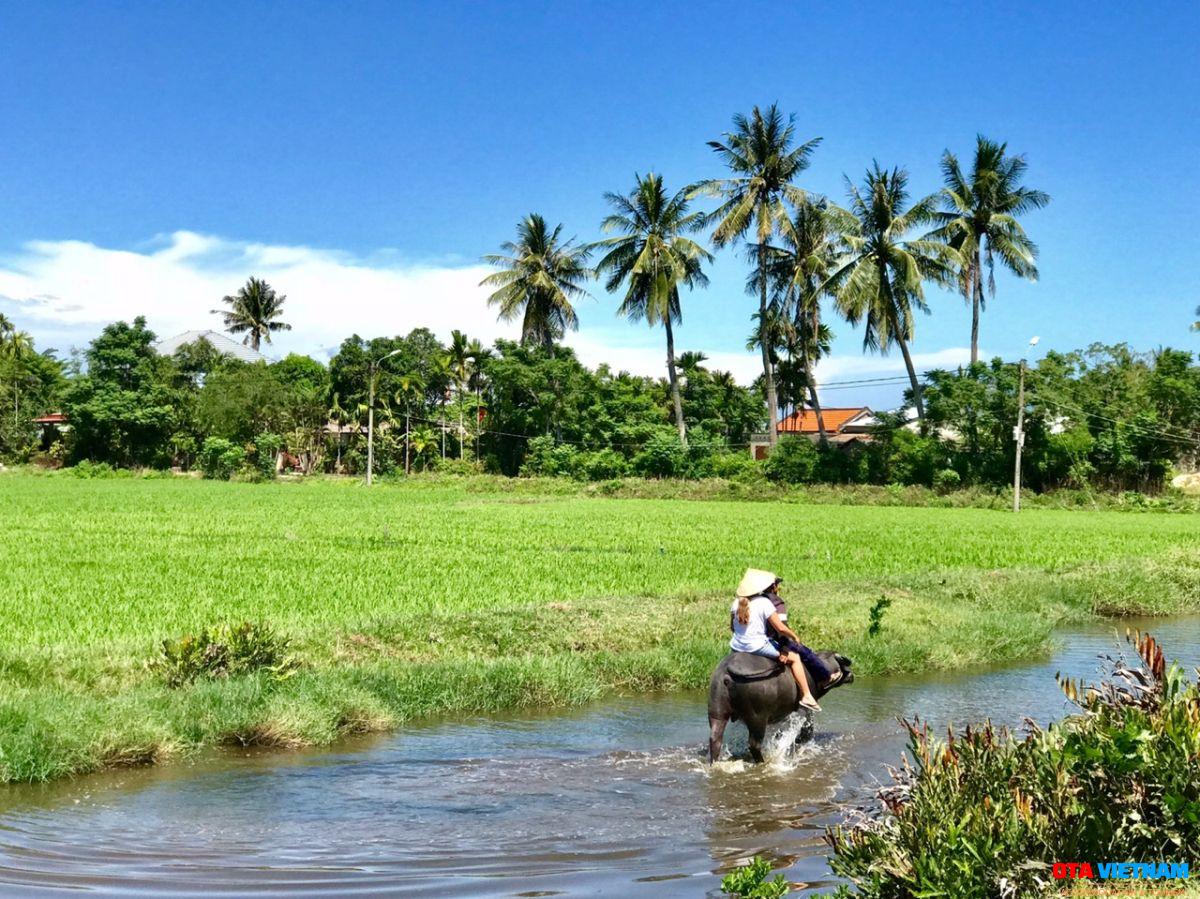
(691,362)
(338,414)
(411,387)
(764,165)
(880,278)
(799,264)
(478,354)
(540,275)
(7,328)
(980,221)
(255,310)
(460,371)
(652,257)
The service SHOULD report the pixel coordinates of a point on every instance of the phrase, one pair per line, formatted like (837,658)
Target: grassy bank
(436,597)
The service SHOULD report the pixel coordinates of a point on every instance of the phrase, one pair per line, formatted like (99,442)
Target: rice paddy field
(439,597)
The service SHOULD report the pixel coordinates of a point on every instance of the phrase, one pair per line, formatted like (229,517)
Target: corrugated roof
(804,421)
(220,342)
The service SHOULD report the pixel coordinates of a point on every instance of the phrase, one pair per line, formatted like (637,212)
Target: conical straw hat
(755,581)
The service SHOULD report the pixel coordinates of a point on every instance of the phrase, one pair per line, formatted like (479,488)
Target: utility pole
(373,377)
(1019,430)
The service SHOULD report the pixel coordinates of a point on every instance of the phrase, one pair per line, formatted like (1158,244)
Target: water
(614,799)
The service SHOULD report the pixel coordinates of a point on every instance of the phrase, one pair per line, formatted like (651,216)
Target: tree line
(1102,418)
(530,406)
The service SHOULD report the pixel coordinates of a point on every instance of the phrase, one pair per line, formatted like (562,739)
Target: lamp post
(374,376)
(1019,430)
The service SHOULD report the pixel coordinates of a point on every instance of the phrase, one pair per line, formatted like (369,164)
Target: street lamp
(1019,430)
(374,376)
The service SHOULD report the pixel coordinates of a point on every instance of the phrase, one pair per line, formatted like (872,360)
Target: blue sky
(365,155)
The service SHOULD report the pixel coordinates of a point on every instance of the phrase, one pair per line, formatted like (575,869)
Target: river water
(613,799)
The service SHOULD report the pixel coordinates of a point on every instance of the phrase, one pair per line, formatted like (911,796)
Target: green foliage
(986,814)
(125,408)
(663,456)
(266,451)
(750,881)
(946,480)
(794,460)
(220,458)
(226,650)
(88,469)
(875,616)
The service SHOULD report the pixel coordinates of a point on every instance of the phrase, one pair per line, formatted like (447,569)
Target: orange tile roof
(804,421)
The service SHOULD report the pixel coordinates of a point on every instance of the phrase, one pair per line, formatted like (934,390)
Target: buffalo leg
(758,733)
(716,737)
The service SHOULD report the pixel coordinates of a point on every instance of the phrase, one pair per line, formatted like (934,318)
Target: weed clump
(985,814)
(223,651)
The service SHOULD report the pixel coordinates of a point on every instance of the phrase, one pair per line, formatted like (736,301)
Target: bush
(793,461)
(733,466)
(914,459)
(750,881)
(89,469)
(266,452)
(457,467)
(223,651)
(984,814)
(549,458)
(662,456)
(221,459)
(602,465)
(946,481)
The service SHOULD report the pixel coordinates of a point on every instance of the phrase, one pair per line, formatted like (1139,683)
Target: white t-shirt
(751,636)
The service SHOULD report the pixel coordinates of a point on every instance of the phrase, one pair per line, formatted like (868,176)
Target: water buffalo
(760,692)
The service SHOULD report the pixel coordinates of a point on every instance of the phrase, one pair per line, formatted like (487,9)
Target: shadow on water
(613,799)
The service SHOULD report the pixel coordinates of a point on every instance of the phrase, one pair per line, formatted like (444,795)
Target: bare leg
(798,672)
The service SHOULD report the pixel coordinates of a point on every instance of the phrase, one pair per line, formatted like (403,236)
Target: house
(844,426)
(222,343)
(51,429)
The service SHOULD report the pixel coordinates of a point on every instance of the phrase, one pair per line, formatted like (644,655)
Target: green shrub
(732,465)
(793,461)
(914,459)
(266,452)
(662,456)
(220,458)
(223,651)
(549,458)
(947,480)
(984,814)
(458,467)
(602,465)
(89,469)
(750,881)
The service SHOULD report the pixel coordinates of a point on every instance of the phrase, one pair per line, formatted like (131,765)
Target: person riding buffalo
(758,620)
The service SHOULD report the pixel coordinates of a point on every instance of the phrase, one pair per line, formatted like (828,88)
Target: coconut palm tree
(880,279)
(460,370)
(799,263)
(540,275)
(979,219)
(478,354)
(411,387)
(764,163)
(255,310)
(651,257)
(7,328)
(338,414)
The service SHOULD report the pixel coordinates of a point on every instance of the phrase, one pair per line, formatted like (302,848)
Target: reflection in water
(611,800)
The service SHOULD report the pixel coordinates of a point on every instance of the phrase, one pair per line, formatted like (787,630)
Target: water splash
(780,749)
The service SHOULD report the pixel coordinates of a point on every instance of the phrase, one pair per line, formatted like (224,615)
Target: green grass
(432,597)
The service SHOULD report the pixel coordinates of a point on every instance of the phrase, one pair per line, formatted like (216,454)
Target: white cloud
(73,287)
(65,291)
